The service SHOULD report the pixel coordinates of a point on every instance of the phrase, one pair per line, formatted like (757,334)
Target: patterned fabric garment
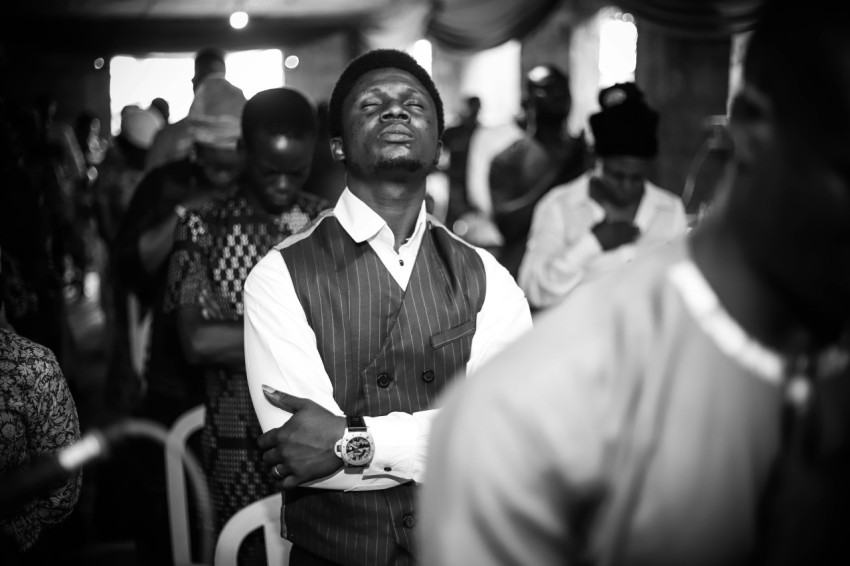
(215,248)
(37,416)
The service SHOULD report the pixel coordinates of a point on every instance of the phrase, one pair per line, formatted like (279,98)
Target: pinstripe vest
(385,350)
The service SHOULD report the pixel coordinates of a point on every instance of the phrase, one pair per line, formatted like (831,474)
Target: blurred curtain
(695,18)
(475,25)
(397,25)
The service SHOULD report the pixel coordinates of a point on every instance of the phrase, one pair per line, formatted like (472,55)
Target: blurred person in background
(546,155)
(38,234)
(327,176)
(38,418)
(123,167)
(607,216)
(456,143)
(87,126)
(694,408)
(119,176)
(175,140)
(140,255)
(215,247)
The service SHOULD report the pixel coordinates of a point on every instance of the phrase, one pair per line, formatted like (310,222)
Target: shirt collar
(718,324)
(649,205)
(362,223)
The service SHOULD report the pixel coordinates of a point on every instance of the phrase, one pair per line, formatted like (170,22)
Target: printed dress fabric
(214,250)
(37,417)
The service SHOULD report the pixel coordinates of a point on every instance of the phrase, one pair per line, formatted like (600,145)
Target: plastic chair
(263,513)
(178,503)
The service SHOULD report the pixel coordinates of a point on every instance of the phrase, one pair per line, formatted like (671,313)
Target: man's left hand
(303,448)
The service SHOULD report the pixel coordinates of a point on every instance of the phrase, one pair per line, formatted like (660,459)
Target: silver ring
(276,473)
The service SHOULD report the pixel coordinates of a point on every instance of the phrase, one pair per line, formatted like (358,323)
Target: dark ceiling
(174,25)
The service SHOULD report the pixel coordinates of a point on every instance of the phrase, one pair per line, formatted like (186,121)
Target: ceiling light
(238,20)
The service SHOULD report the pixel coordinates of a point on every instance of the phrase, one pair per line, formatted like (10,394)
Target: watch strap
(356,423)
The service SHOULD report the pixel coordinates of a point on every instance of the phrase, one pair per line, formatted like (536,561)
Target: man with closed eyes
(355,325)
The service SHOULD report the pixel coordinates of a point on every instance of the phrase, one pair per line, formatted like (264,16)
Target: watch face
(358,450)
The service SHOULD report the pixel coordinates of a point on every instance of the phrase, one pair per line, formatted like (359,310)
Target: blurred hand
(210,308)
(614,234)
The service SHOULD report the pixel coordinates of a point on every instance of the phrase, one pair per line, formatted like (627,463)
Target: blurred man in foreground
(693,408)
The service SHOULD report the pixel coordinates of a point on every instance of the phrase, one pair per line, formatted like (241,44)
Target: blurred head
(473,107)
(86,124)
(215,125)
(386,116)
(547,93)
(625,131)
(208,61)
(139,126)
(789,206)
(279,130)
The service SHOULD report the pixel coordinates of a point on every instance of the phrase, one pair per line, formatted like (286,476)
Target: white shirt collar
(364,224)
(701,300)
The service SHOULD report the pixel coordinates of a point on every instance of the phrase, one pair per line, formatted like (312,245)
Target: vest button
(428,376)
(384,379)
(409,521)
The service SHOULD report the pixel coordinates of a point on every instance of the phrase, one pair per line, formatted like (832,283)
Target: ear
(439,153)
(751,123)
(337,150)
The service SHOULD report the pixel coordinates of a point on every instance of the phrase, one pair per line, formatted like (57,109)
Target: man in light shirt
(355,325)
(692,409)
(607,216)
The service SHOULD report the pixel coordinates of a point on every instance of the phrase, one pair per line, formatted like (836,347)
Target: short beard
(406,164)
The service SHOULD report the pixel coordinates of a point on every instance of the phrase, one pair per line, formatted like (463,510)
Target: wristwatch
(356,446)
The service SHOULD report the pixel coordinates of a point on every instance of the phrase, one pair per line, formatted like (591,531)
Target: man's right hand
(615,234)
(303,448)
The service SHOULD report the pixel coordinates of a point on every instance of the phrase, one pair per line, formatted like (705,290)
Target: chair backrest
(178,503)
(263,513)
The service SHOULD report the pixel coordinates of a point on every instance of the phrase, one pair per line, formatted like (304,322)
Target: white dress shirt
(281,350)
(562,250)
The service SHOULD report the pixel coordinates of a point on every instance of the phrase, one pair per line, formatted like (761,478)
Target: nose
(395,111)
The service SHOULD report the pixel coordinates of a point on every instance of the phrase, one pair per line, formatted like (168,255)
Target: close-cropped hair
(209,56)
(279,111)
(371,61)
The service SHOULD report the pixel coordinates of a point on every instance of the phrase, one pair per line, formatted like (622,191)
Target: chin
(277,205)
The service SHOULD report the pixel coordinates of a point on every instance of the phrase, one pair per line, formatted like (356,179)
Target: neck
(750,300)
(397,202)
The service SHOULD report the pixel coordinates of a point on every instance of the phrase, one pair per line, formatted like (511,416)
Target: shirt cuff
(396,440)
